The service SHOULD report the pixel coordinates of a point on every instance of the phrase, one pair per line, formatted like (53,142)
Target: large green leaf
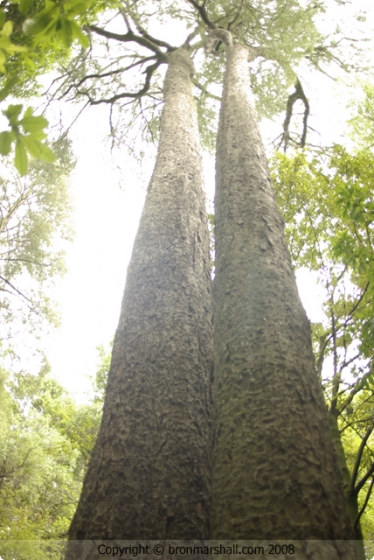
(2,18)
(25,6)
(32,146)
(38,150)
(46,154)
(20,160)
(33,124)
(42,22)
(6,139)
(66,32)
(5,91)
(79,35)
(7,29)
(12,112)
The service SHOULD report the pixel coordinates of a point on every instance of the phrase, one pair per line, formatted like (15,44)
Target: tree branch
(152,40)
(358,461)
(149,73)
(106,74)
(18,292)
(366,501)
(203,14)
(233,21)
(298,94)
(204,90)
(364,479)
(130,37)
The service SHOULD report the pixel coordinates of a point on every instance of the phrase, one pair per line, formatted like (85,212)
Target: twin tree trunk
(149,473)
(275,472)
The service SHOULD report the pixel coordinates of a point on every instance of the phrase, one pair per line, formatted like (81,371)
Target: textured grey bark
(275,472)
(149,474)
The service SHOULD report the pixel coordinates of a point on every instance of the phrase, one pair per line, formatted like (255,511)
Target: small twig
(203,14)
(204,90)
(358,461)
(366,501)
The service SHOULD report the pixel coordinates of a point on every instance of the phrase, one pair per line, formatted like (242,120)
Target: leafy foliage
(42,37)
(41,471)
(362,124)
(57,20)
(34,222)
(45,443)
(30,141)
(6,46)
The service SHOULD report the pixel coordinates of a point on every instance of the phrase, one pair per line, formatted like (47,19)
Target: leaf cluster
(34,225)
(46,440)
(29,141)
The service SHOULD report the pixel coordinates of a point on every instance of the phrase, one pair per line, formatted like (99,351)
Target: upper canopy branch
(236,17)
(297,94)
(152,40)
(149,71)
(100,75)
(203,13)
(148,41)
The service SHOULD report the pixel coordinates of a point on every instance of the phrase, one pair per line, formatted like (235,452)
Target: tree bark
(149,474)
(275,473)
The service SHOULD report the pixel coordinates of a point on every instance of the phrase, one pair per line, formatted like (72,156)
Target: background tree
(45,442)
(34,226)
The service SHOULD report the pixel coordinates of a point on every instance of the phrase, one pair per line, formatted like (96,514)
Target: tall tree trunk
(275,473)
(149,474)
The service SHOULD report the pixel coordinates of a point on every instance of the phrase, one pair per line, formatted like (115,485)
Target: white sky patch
(311,294)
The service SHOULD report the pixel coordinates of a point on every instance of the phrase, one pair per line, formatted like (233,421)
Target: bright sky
(106,219)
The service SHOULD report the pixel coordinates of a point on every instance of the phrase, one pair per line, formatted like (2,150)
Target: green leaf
(6,139)
(2,62)
(79,35)
(76,7)
(29,112)
(7,28)
(7,88)
(5,42)
(39,135)
(20,160)
(12,112)
(42,22)
(2,18)
(66,32)
(38,150)
(46,154)
(32,146)
(25,6)
(33,124)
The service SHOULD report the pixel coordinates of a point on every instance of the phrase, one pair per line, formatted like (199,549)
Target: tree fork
(275,472)
(149,474)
